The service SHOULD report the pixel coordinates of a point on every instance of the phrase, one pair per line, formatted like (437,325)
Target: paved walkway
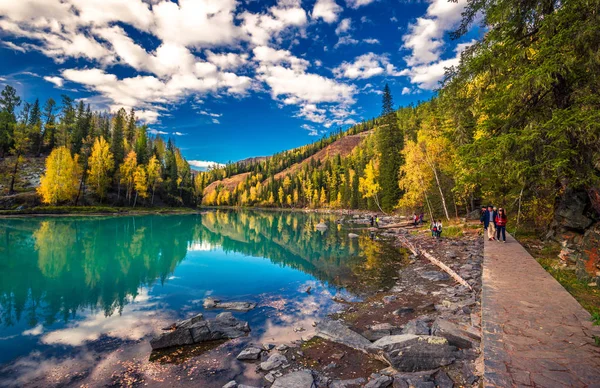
(534,332)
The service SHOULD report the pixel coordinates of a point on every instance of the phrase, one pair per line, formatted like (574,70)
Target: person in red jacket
(501,221)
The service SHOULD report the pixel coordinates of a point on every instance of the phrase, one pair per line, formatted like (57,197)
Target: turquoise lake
(81,296)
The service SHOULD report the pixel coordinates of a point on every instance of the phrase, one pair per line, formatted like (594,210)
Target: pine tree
(35,126)
(117,147)
(9,102)
(389,145)
(49,125)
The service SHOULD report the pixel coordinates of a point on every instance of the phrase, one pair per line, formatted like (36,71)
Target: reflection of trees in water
(291,239)
(65,265)
(52,268)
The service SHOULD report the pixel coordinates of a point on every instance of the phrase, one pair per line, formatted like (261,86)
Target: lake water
(81,296)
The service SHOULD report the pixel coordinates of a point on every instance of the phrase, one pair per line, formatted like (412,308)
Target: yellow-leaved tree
(153,173)
(61,179)
(368,185)
(127,171)
(101,163)
(140,180)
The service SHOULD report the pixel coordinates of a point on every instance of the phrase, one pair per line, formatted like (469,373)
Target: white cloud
(358,3)
(178,134)
(366,66)
(344,26)
(14,47)
(425,36)
(215,121)
(55,80)
(205,164)
(406,90)
(371,41)
(428,76)
(157,132)
(262,28)
(227,61)
(328,10)
(206,113)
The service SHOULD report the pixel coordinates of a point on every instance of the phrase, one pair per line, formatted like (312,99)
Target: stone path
(534,332)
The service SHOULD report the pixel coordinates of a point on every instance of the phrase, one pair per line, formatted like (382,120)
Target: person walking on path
(501,221)
(489,223)
(421,218)
(439,228)
(434,228)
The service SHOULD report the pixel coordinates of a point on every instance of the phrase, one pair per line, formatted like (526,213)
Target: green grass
(452,231)
(587,296)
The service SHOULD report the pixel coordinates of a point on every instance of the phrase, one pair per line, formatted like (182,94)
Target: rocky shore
(423,331)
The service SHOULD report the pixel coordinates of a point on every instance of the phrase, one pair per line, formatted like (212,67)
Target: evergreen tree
(117,147)
(389,145)
(35,127)
(9,102)
(49,125)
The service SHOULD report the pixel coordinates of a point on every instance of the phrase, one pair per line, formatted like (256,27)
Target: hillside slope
(342,147)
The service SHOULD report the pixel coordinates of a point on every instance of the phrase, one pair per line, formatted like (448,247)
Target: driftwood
(404,224)
(435,261)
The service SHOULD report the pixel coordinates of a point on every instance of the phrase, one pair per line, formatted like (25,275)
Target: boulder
(337,332)
(275,361)
(211,303)
(300,379)
(250,353)
(379,381)
(195,330)
(231,384)
(435,276)
(456,335)
(416,380)
(416,327)
(353,235)
(321,226)
(347,383)
(412,353)
(442,380)
(381,330)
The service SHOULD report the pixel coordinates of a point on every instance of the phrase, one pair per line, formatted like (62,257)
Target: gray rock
(337,332)
(195,330)
(417,379)
(177,337)
(389,299)
(381,330)
(403,311)
(250,353)
(300,379)
(412,353)
(353,235)
(212,303)
(231,384)
(379,381)
(455,335)
(268,346)
(416,327)
(282,347)
(321,226)
(435,276)
(442,380)
(347,383)
(275,361)
(246,386)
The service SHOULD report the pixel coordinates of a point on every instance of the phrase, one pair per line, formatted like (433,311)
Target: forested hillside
(516,124)
(92,157)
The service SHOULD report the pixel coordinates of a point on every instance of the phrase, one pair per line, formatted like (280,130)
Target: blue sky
(231,79)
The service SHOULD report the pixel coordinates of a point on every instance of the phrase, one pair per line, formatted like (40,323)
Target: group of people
(494,222)
(418,219)
(374,221)
(436,228)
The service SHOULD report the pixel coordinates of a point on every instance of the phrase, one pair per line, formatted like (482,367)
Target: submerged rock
(196,329)
(337,332)
(211,303)
(412,353)
(300,379)
(353,235)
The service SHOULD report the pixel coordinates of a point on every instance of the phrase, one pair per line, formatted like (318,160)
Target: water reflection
(75,288)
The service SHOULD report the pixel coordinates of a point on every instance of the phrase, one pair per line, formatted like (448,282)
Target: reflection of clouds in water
(201,246)
(37,330)
(134,323)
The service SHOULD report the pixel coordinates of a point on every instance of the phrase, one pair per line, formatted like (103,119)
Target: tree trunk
(11,190)
(377,203)
(135,200)
(519,212)
(439,185)
(152,201)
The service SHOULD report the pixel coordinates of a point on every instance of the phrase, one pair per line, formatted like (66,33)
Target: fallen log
(435,261)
